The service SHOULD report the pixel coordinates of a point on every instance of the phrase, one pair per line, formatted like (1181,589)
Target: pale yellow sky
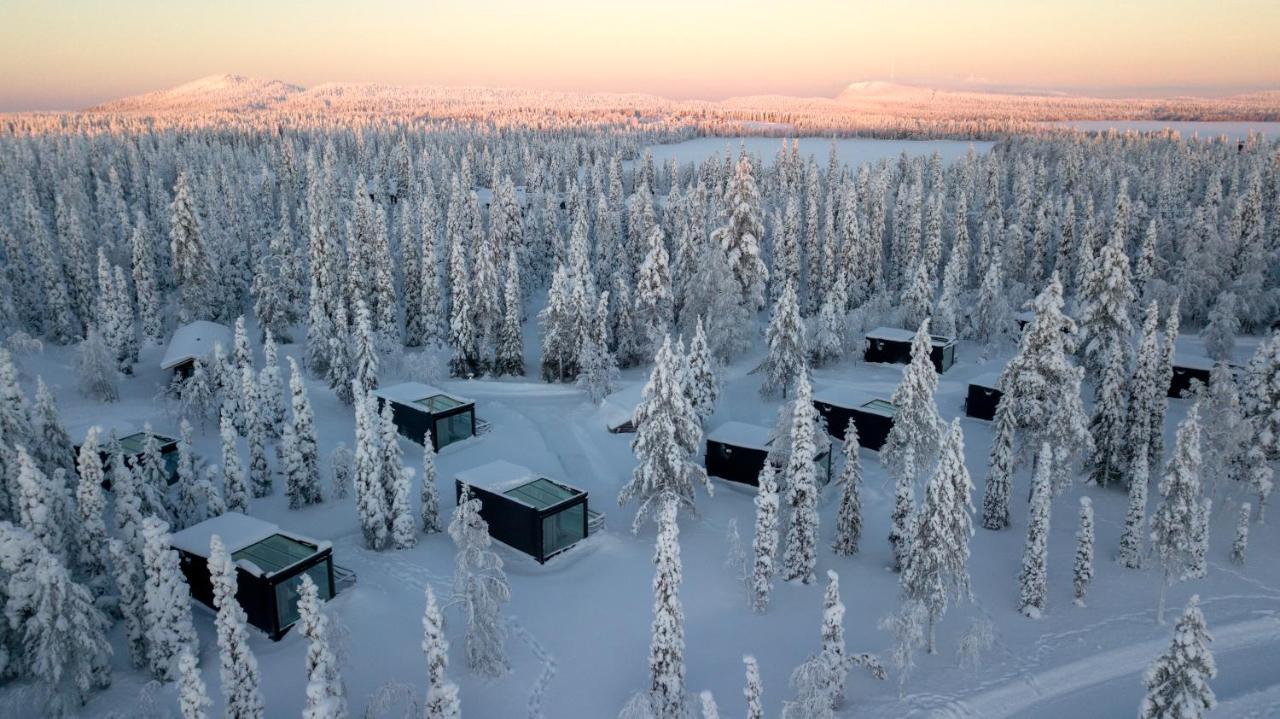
(58,54)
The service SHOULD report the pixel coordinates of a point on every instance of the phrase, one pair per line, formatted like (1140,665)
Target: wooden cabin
(737,452)
(418,408)
(539,516)
(892,345)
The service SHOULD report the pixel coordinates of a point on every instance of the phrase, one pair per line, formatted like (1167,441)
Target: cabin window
(289,591)
(452,429)
(562,529)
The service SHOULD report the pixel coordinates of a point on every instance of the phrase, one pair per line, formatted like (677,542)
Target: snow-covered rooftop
(1192,361)
(195,341)
(841,396)
(620,406)
(413,393)
(1025,316)
(496,476)
(239,532)
(990,380)
(741,434)
(893,334)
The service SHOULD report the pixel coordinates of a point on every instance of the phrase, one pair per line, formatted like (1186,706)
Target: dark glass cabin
(418,408)
(893,346)
(737,451)
(525,511)
(192,341)
(1187,370)
(133,444)
(983,397)
(871,415)
(270,564)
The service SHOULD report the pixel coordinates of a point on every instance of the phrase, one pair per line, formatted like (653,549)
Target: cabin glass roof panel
(541,493)
(883,406)
(439,403)
(275,553)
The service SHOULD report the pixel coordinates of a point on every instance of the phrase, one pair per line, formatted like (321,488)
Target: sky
(68,54)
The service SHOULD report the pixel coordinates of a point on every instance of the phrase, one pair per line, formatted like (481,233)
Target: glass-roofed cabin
(872,416)
(418,408)
(737,451)
(893,346)
(270,564)
(526,511)
(133,445)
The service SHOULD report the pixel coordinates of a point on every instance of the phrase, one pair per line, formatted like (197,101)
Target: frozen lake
(1238,130)
(852,151)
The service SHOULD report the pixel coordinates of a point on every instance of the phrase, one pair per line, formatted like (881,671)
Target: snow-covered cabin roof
(990,380)
(262,553)
(841,396)
(1025,316)
(421,396)
(620,406)
(496,476)
(1192,361)
(741,434)
(195,341)
(893,334)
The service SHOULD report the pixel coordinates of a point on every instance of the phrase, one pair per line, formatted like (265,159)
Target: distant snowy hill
(217,92)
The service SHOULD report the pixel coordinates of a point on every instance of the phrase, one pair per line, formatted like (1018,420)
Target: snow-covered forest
(560,278)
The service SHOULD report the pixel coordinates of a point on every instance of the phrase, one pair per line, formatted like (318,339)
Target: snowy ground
(591,607)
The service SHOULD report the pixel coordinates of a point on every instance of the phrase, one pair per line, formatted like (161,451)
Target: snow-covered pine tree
(256,433)
(510,352)
(50,437)
(1200,540)
(668,436)
(480,588)
(403,529)
(833,648)
(1164,377)
(1173,523)
(1240,545)
(197,394)
(765,543)
(191,265)
(166,602)
(701,385)
(235,492)
(91,527)
(1032,579)
(849,516)
(1144,387)
(653,301)
(742,235)
(36,504)
(598,370)
(753,691)
(1257,475)
(1135,518)
(340,463)
(559,336)
(364,350)
(917,296)
(1178,681)
(371,498)
(785,338)
(96,372)
(302,465)
(1224,323)
(800,555)
(187,510)
(830,329)
(1082,572)
(995,497)
(193,698)
(1106,302)
(270,389)
(326,696)
(429,497)
(913,443)
(1108,423)
(442,695)
(666,645)
(126,565)
(237,667)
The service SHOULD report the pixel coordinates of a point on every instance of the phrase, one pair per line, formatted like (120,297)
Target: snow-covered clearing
(591,607)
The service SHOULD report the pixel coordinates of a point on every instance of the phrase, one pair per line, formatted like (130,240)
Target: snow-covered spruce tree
(598,370)
(1144,388)
(403,530)
(166,602)
(701,385)
(707,702)
(936,562)
(1178,680)
(1240,545)
(765,543)
(130,582)
(1082,572)
(1173,523)
(211,492)
(326,696)
(429,497)
(91,527)
(1135,518)
(849,516)
(668,436)
(395,493)
(256,433)
(128,501)
(234,490)
(1200,540)
(367,470)
(1224,323)
(800,555)
(37,504)
(1032,579)
(187,510)
(197,394)
(480,588)
(365,350)
(653,301)
(711,294)
(788,352)
(913,441)
(340,464)
(833,648)
(1042,387)
(993,322)
(340,371)
(442,695)
(559,335)
(753,691)
(1106,301)
(917,296)
(742,236)
(237,667)
(270,389)
(510,353)
(995,497)
(191,265)
(666,645)
(1165,375)
(61,630)
(50,437)
(1258,476)
(830,329)
(302,465)
(193,698)
(1108,423)
(96,372)
(1226,434)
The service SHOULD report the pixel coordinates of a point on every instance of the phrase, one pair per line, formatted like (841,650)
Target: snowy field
(851,151)
(590,608)
(1185,128)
